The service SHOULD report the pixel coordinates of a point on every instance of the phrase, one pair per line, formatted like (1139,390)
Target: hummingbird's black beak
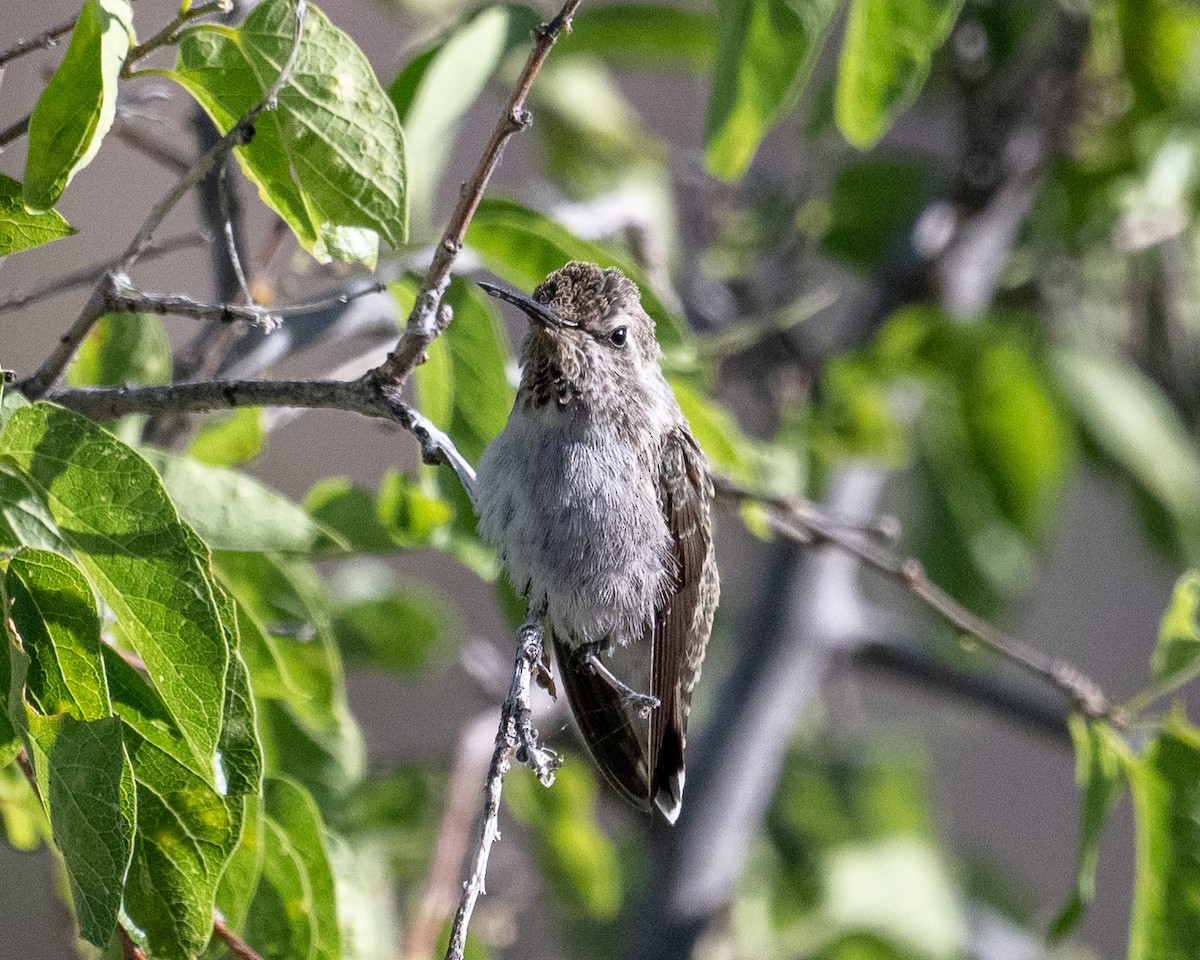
(538,312)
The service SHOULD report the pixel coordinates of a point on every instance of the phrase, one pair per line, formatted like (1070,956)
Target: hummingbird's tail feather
(604,722)
(666,786)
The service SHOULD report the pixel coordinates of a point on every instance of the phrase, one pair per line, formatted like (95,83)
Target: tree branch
(425,322)
(516,739)
(800,522)
(44,40)
(49,372)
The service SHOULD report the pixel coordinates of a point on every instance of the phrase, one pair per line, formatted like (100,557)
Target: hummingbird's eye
(617,337)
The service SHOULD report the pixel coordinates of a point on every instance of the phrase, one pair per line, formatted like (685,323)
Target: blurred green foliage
(177,633)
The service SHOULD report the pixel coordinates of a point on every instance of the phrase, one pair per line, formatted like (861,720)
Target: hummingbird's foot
(642,702)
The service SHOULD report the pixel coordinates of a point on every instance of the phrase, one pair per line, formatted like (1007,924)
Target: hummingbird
(599,502)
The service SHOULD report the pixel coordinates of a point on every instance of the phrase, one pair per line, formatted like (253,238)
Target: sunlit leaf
(230,441)
(121,350)
(885,60)
(233,511)
(294,911)
(79,103)
(330,158)
(20,229)
(436,89)
(766,51)
(86,784)
(1166,898)
(1178,650)
(1100,772)
(1130,420)
(149,567)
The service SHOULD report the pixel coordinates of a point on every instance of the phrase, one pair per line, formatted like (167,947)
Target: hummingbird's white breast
(572,507)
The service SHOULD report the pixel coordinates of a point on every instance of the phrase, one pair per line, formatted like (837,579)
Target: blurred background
(982,324)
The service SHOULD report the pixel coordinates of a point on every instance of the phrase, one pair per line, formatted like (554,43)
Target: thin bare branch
(129,949)
(89,275)
(425,321)
(49,372)
(236,945)
(44,40)
(807,525)
(516,739)
(126,299)
(170,33)
(227,232)
(14,131)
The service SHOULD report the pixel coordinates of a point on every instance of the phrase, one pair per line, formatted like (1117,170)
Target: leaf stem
(170,33)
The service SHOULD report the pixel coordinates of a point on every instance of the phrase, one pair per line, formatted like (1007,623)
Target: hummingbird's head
(589,338)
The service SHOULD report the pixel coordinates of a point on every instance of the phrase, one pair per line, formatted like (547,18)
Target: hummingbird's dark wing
(684,620)
(605,726)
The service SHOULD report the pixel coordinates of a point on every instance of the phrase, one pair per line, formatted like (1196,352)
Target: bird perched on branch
(598,499)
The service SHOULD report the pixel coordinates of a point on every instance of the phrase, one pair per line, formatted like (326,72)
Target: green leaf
(1166,898)
(85,780)
(240,879)
(1100,773)
(20,229)
(79,103)
(573,848)
(351,512)
(765,54)
(433,93)
(230,441)
(716,431)
(287,640)
(522,247)
(649,36)
(330,158)
(885,61)
(872,207)
(24,519)
(123,349)
(473,352)
(147,564)
(239,759)
(294,912)
(402,630)
(232,511)
(186,833)
(1177,655)
(21,812)
(55,616)
(1131,421)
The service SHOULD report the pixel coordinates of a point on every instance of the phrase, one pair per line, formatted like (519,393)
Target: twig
(170,33)
(227,231)
(516,739)
(129,949)
(808,526)
(87,275)
(126,299)
(239,134)
(14,131)
(44,40)
(157,150)
(237,946)
(428,319)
